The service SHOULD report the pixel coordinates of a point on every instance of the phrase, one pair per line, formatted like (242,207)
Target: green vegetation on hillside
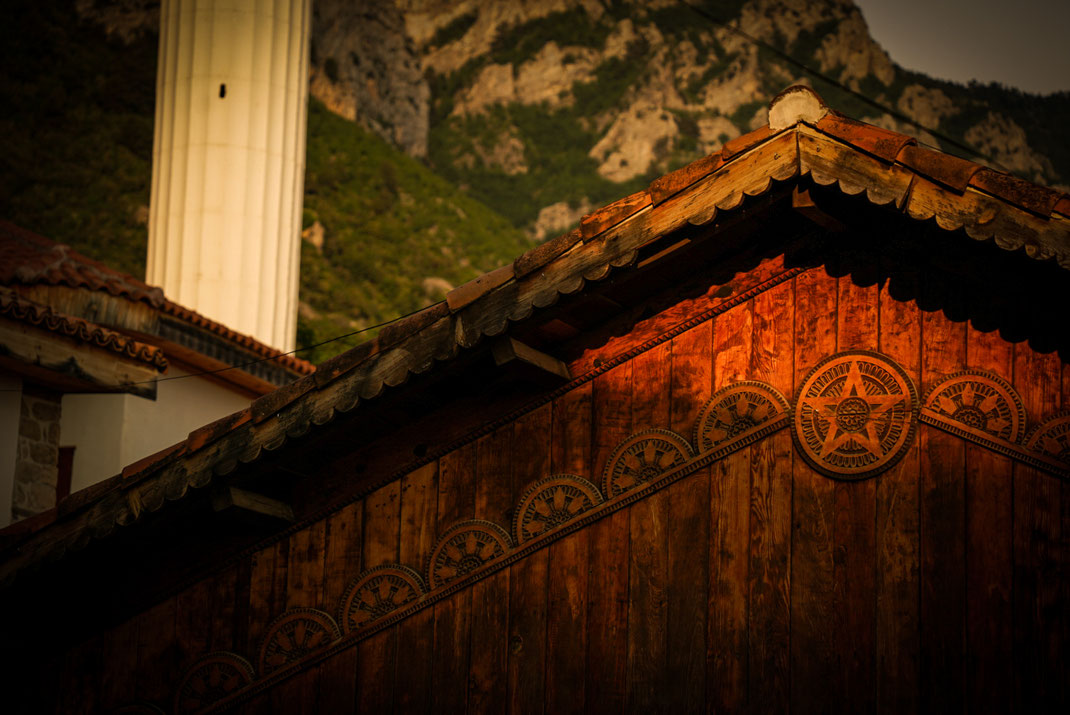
(395,234)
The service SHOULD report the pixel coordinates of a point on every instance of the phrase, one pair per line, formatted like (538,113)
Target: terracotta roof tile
(395,332)
(331,369)
(29,259)
(465,294)
(22,310)
(214,430)
(598,221)
(938,166)
(665,186)
(141,468)
(1038,199)
(744,142)
(881,143)
(542,254)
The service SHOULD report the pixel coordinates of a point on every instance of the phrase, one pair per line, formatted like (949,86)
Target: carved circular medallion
(642,457)
(211,679)
(377,592)
(551,502)
(465,547)
(855,415)
(293,635)
(735,409)
(1052,437)
(982,401)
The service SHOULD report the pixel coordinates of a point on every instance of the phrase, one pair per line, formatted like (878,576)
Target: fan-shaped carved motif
(210,679)
(138,709)
(551,502)
(643,457)
(734,409)
(293,635)
(981,400)
(465,547)
(377,592)
(1052,437)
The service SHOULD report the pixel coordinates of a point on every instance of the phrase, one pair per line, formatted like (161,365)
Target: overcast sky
(1021,43)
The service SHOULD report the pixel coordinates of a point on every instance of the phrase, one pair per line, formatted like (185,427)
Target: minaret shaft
(229,161)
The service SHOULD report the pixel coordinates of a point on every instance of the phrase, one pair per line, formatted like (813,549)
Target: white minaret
(229,161)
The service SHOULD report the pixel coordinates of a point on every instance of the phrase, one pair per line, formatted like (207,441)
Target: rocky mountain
(542,108)
(476,127)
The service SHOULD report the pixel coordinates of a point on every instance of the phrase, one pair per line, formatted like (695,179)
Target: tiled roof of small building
(805,139)
(29,259)
(19,309)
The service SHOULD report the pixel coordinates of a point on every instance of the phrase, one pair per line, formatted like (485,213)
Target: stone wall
(36,464)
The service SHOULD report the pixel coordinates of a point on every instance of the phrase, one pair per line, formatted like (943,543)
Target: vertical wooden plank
(456,501)
(769,577)
(224,608)
(193,621)
(648,553)
(989,557)
(566,608)
(1040,551)
(607,589)
(419,507)
(898,528)
(528,578)
(304,572)
(82,671)
(688,577)
(118,657)
(854,542)
(376,656)
(267,583)
(490,596)
(943,529)
(156,653)
(813,656)
(342,564)
(729,504)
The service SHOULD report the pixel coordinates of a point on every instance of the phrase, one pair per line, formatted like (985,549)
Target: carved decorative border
(490,548)
(211,679)
(551,502)
(644,457)
(376,592)
(293,636)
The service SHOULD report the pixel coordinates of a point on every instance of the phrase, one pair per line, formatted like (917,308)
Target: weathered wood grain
(769,569)
(898,536)
(813,656)
(156,653)
(688,499)
(854,541)
(647,554)
(607,588)
(419,507)
(377,656)
(452,619)
(942,571)
(566,611)
(728,549)
(1040,551)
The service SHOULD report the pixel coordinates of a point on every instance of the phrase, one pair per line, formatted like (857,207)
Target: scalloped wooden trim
(313,615)
(648,472)
(588,489)
(240,663)
(407,575)
(499,536)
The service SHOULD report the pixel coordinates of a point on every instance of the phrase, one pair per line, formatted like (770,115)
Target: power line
(843,87)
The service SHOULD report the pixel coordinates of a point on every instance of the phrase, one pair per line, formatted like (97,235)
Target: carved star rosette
(465,547)
(211,679)
(736,409)
(855,415)
(1052,437)
(376,593)
(643,457)
(293,635)
(982,401)
(551,502)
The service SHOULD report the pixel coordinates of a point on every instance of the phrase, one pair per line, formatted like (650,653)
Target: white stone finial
(795,104)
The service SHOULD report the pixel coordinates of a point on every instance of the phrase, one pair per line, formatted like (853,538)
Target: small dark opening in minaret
(222,91)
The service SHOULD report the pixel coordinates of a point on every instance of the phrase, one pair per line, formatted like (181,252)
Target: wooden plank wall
(755,584)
